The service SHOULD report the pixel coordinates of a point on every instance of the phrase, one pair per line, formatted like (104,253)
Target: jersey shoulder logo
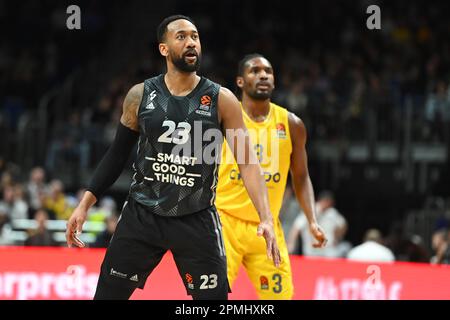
(151,97)
(281,131)
(205,106)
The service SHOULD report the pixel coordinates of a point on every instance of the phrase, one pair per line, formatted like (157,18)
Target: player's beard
(181,64)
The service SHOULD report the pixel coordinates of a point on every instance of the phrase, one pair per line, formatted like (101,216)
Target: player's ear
(163,49)
(240,82)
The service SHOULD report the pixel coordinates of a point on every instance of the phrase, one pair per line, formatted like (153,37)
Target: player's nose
(263,75)
(191,43)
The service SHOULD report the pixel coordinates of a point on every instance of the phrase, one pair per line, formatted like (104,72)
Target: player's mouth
(191,56)
(263,86)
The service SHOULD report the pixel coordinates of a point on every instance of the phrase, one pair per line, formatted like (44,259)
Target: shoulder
(294,121)
(227,99)
(134,96)
(137,89)
(226,93)
(297,129)
(333,212)
(131,106)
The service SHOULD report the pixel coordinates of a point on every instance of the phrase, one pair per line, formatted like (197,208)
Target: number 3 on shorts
(208,282)
(278,287)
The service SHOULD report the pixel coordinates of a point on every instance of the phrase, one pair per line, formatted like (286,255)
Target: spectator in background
(437,110)
(437,105)
(102,240)
(372,249)
(441,247)
(69,144)
(7,180)
(406,247)
(333,224)
(13,203)
(5,229)
(41,236)
(106,208)
(36,188)
(56,203)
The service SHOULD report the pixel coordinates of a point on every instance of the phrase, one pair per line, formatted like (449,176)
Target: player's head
(255,77)
(326,199)
(373,235)
(179,42)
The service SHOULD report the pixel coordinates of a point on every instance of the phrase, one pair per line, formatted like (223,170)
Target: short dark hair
(326,195)
(162,28)
(245,59)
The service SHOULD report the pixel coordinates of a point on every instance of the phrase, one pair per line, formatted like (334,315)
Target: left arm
(300,178)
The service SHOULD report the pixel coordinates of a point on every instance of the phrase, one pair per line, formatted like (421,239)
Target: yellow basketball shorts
(243,246)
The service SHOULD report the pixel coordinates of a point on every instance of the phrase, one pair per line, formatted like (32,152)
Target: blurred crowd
(346,82)
(41,200)
(396,245)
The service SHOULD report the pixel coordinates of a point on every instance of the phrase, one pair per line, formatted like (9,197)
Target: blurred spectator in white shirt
(36,188)
(333,224)
(372,249)
(13,203)
(440,244)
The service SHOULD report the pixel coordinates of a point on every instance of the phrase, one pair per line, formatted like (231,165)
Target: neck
(257,110)
(180,83)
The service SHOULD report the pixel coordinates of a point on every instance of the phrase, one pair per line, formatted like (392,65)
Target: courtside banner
(71,274)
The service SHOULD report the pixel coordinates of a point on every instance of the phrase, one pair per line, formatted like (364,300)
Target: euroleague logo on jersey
(281,131)
(205,100)
(205,106)
(189,280)
(264,282)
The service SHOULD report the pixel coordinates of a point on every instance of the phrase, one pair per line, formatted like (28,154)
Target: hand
(318,234)
(266,230)
(75,226)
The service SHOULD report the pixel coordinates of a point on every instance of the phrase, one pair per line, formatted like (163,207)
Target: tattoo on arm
(130,107)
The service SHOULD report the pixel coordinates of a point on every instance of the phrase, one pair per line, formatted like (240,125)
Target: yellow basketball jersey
(272,142)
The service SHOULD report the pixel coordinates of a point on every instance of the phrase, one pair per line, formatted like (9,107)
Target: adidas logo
(150,106)
(134,278)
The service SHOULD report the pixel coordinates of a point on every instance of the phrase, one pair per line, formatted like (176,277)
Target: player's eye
(180,37)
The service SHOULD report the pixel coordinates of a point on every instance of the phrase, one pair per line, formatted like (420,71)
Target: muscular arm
(111,165)
(118,153)
(130,107)
(230,116)
(242,148)
(301,181)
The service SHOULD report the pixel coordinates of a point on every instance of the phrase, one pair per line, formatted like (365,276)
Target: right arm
(230,116)
(111,165)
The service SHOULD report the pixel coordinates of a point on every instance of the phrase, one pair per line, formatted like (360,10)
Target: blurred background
(376,104)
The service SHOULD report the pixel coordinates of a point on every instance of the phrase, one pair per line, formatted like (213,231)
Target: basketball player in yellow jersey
(279,138)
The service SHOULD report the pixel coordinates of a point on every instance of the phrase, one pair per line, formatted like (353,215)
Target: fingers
(321,244)
(72,232)
(269,249)
(276,255)
(272,251)
(78,242)
(69,232)
(260,231)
